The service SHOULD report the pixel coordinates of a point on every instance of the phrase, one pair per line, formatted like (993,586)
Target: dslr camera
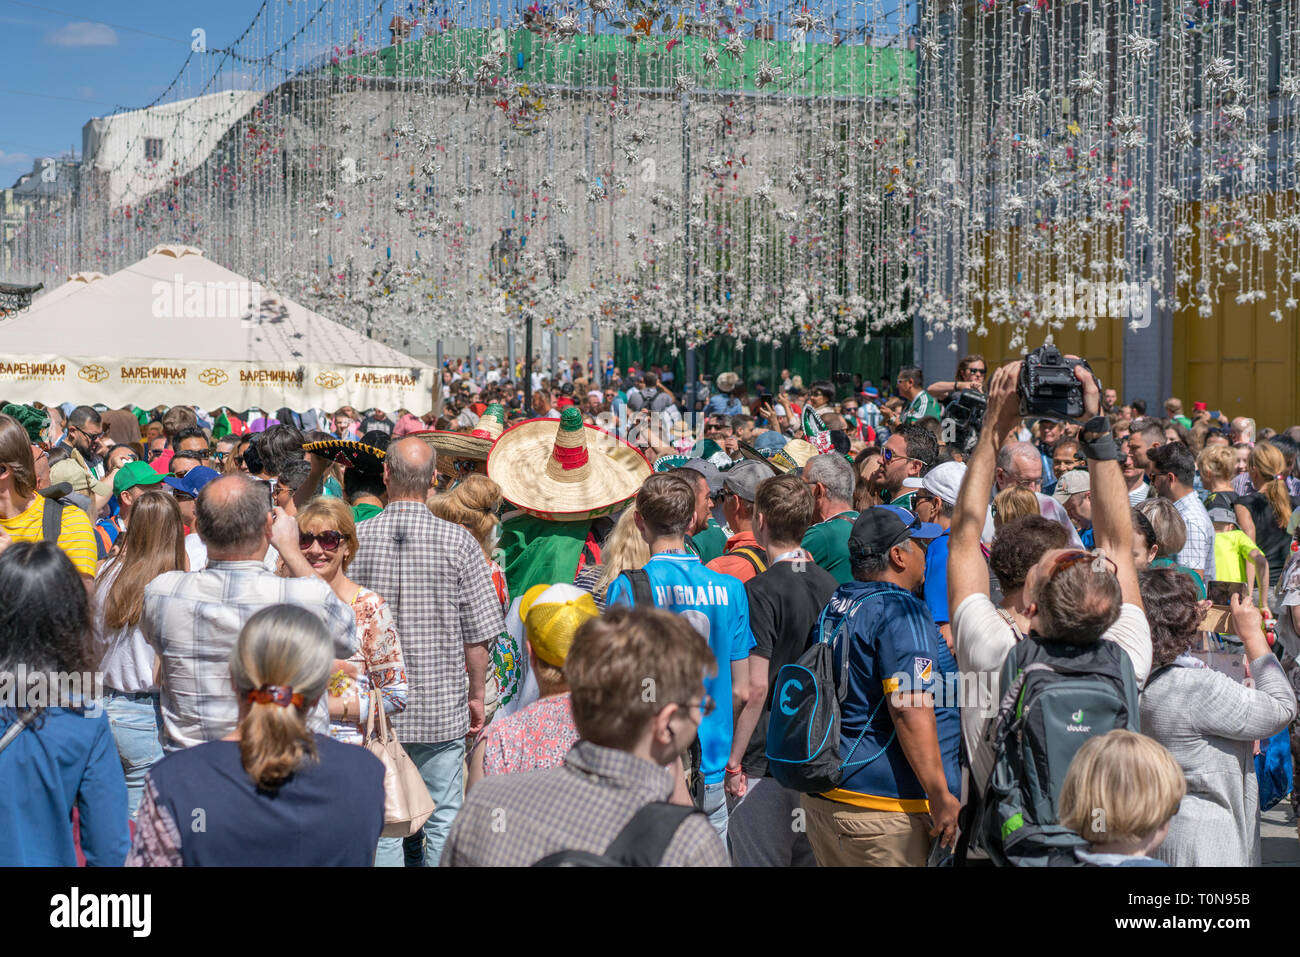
(1048,387)
(963,417)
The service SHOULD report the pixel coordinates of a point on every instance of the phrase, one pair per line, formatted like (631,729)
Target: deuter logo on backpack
(1049,691)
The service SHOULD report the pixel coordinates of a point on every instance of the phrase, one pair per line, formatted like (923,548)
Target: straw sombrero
(795,455)
(491,423)
(366,455)
(565,471)
(454,447)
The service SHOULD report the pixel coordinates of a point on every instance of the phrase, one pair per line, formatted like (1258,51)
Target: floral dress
(378,663)
(537,737)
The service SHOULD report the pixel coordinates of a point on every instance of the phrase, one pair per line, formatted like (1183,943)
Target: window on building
(153,149)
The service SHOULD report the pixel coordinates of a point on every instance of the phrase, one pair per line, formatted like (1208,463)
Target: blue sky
(62,68)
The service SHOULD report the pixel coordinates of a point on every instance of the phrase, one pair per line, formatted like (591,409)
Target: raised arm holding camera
(1073,599)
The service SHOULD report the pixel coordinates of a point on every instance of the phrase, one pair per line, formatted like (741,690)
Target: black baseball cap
(880,528)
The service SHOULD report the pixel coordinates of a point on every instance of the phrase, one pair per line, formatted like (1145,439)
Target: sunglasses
(889,455)
(154,453)
(329,540)
(980,371)
(90,435)
(182,496)
(1069,559)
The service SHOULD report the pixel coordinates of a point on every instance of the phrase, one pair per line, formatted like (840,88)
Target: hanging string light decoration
(707,168)
(1092,146)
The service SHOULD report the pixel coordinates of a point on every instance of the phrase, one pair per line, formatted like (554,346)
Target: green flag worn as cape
(536,552)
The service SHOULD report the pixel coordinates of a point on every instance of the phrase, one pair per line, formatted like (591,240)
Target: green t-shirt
(828,543)
(364,511)
(710,543)
(922,404)
(1231,555)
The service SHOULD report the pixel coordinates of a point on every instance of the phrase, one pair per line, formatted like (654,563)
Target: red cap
(1199,407)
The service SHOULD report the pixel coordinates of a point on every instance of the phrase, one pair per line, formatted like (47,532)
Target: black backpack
(803,732)
(642,593)
(1054,698)
(641,843)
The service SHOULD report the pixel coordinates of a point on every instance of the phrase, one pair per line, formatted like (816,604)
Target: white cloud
(83,34)
(6,157)
(86,92)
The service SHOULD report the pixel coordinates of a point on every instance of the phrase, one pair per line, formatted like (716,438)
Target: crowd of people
(592,625)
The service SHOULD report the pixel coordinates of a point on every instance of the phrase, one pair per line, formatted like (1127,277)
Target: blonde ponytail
(279,665)
(1266,460)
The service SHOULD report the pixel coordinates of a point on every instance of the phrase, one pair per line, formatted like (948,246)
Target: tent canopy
(177,327)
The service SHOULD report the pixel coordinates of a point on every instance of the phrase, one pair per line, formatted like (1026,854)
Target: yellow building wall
(1238,360)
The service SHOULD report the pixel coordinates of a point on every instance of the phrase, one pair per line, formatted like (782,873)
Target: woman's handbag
(407,804)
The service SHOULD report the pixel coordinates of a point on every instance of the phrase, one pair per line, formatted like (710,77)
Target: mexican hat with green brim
(750,454)
(666,463)
(565,471)
(365,456)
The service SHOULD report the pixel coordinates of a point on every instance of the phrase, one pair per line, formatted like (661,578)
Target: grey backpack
(1055,697)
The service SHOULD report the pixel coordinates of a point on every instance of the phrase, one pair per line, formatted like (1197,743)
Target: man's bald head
(408,470)
(231,515)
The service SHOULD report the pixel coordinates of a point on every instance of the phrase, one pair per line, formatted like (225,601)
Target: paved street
(1279,845)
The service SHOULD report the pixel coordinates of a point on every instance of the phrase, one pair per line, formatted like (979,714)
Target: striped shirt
(192,620)
(76,536)
(438,587)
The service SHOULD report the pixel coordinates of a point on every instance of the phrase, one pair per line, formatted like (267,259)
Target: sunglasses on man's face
(977,370)
(329,540)
(889,455)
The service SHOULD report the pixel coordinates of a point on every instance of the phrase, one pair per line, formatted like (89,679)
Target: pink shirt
(537,737)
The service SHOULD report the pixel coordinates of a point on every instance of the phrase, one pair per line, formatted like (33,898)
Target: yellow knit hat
(552,615)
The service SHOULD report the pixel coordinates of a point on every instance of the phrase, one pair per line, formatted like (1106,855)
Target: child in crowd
(1119,795)
(1236,557)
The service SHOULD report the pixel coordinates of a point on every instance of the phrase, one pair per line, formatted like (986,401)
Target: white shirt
(981,639)
(1139,495)
(124,657)
(198,553)
(1048,507)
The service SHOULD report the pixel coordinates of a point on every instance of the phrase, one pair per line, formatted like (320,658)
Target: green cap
(132,474)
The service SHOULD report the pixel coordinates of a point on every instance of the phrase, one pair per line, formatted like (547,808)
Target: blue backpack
(803,733)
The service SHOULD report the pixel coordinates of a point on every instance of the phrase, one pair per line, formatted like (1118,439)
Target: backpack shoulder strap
(1010,619)
(15,729)
(52,520)
(757,557)
(639,579)
(644,839)
(1157,673)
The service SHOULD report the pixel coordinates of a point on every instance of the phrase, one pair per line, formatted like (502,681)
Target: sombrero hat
(453,447)
(366,455)
(565,471)
(795,455)
(491,423)
(751,454)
